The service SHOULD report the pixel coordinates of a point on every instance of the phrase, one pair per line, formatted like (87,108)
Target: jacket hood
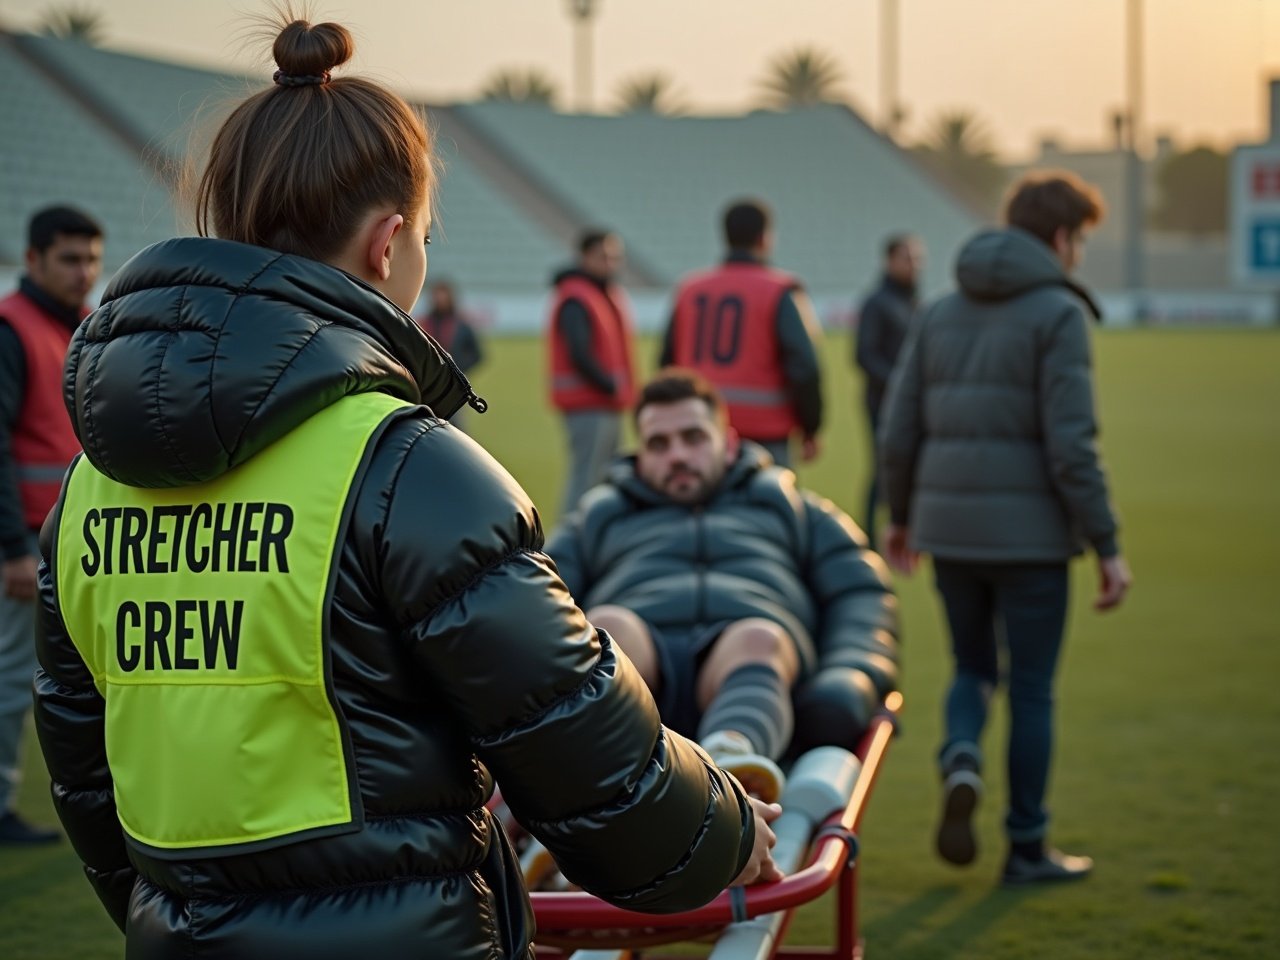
(751,459)
(206,351)
(1002,264)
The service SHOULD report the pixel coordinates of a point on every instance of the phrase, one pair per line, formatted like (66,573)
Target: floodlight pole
(1135,218)
(889,110)
(583,13)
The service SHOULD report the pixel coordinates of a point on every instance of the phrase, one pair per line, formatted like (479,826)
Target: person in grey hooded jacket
(988,460)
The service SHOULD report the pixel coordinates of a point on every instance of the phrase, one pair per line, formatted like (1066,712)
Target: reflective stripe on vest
(747,397)
(41,473)
(202,613)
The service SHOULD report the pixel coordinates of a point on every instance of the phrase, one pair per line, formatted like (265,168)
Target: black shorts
(681,654)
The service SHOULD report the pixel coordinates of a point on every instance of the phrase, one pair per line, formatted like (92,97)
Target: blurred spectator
(37,443)
(989,463)
(882,329)
(455,331)
(751,331)
(592,372)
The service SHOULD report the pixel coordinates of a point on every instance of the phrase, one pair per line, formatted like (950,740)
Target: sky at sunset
(1028,68)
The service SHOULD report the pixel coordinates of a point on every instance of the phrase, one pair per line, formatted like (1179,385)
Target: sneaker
(1053,867)
(956,841)
(14,831)
(732,752)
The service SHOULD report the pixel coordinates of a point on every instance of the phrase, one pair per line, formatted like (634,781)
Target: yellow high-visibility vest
(202,612)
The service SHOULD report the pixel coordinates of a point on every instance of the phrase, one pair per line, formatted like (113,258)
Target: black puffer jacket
(759,547)
(457,654)
(988,446)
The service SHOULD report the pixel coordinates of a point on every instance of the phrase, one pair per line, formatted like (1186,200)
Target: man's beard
(695,488)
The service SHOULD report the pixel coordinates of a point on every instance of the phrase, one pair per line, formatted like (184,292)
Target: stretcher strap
(848,836)
(738,904)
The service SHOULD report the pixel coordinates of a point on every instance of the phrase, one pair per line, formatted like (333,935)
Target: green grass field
(1168,763)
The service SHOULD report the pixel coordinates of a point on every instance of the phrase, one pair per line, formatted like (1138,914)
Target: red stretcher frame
(579,921)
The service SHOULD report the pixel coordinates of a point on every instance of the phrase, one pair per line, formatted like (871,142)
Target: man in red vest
(592,373)
(63,260)
(750,330)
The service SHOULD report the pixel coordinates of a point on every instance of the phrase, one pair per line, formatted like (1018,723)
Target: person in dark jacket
(989,463)
(37,444)
(750,329)
(453,330)
(591,341)
(728,587)
(295,626)
(883,320)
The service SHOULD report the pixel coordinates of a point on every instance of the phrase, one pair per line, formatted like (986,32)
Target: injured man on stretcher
(753,610)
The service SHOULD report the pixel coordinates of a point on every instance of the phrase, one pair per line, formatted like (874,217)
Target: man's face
(684,450)
(905,263)
(68,269)
(604,260)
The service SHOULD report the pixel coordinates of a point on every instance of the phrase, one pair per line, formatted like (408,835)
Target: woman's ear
(380,248)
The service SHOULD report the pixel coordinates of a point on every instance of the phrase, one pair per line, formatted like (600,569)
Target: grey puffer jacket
(456,656)
(759,547)
(987,447)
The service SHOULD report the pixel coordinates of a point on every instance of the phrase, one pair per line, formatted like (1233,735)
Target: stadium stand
(53,148)
(156,106)
(835,185)
(481,237)
(109,130)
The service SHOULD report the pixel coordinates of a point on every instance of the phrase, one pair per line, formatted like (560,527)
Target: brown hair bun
(304,49)
(298,172)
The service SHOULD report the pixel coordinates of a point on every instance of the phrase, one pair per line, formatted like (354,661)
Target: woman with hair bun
(295,625)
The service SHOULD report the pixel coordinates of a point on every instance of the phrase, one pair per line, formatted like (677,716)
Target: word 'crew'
(185,635)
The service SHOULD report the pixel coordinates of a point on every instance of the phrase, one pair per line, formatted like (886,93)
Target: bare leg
(754,640)
(631,634)
(744,691)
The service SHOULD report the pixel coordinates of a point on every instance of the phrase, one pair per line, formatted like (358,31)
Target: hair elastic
(300,79)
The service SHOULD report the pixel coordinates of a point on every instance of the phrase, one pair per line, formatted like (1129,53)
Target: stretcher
(823,804)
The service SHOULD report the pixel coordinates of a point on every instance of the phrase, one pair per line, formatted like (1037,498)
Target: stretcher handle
(579,910)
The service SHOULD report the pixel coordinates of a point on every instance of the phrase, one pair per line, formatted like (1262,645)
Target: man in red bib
(63,260)
(592,373)
(750,330)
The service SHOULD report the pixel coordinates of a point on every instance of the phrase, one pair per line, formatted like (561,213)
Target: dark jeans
(1022,608)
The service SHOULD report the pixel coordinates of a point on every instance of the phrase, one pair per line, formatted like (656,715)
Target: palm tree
(82,24)
(960,151)
(649,93)
(520,85)
(802,78)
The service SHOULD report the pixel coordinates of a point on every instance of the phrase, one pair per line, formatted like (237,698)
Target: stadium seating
(109,131)
(837,187)
(53,149)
